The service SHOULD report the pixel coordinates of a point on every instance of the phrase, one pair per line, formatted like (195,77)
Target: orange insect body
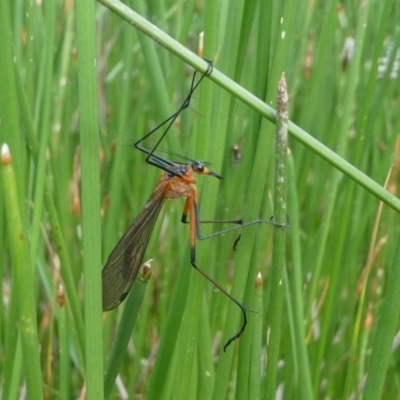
(179,186)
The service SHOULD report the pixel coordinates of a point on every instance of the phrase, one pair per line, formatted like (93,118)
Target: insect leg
(169,121)
(191,207)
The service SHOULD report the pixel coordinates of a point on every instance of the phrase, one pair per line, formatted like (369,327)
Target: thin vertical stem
(279,242)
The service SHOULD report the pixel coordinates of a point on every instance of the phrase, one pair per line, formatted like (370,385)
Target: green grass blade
(296,290)
(89,138)
(124,331)
(63,329)
(382,341)
(23,275)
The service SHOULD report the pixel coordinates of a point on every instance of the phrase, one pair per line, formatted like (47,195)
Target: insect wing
(123,264)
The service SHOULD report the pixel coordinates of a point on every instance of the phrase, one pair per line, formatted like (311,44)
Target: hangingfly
(177,180)
(124,261)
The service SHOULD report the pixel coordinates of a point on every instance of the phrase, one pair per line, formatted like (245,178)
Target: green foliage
(341,301)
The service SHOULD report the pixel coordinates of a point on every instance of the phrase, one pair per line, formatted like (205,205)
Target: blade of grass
(12,350)
(13,386)
(89,137)
(255,370)
(382,342)
(361,313)
(9,129)
(159,378)
(23,275)
(63,334)
(296,287)
(125,328)
(206,363)
(44,128)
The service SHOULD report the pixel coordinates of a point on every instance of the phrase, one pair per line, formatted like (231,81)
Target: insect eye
(198,166)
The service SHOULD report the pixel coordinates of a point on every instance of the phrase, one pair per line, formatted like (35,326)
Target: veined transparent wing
(123,264)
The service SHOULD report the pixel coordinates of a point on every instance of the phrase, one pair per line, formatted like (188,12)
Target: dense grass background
(341,282)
